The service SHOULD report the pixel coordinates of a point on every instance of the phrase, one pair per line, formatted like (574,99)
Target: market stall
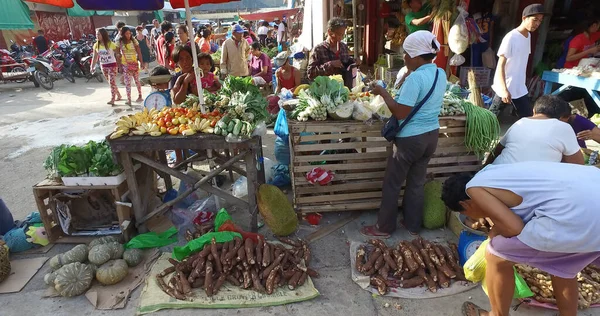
(590,82)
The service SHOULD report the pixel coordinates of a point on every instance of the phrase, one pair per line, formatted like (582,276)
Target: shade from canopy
(14,15)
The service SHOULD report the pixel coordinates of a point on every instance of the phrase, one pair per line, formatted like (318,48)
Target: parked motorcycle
(9,65)
(55,64)
(21,75)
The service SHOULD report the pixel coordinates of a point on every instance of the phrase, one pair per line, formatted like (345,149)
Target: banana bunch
(145,116)
(124,124)
(147,128)
(202,126)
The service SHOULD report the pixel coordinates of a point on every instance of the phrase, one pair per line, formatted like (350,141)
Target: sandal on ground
(128,102)
(373,231)
(472,308)
(401,222)
(111,102)
(139,99)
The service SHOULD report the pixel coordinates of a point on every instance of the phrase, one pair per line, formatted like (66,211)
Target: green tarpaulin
(111,13)
(159,16)
(77,11)
(14,15)
(182,14)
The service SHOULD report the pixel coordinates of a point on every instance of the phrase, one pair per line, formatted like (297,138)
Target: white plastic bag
(268,164)
(458,37)
(260,129)
(259,81)
(457,60)
(239,189)
(379,107)
(361,112)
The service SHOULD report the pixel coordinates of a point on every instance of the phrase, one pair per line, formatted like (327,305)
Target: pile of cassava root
(540,284)
(409,264)
(262,267)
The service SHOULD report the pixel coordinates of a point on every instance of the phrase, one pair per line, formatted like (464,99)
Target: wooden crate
(45,193)
(360,160)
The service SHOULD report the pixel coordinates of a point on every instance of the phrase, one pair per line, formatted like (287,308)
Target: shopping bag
(489,58)
(522,290)
(474,268)
(153,240)
(281,125)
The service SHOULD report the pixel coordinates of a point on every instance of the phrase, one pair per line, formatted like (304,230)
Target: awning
(77,11)
(105,13)
(269,15)
(159,16)
(15,16)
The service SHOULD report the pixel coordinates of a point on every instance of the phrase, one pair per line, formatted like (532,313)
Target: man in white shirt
(235,53)
(511,72)
(144,30)
(262,32)
(280,31)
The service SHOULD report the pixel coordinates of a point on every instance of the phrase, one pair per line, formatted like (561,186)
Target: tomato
(161,122)
(182,120)
(175,121)
(174,131)
(163,130)
(215,112)
(214,122)
(169,124)
(168,117)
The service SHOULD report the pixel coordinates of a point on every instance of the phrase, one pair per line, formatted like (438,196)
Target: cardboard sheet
(38,250)
(153,298)
(21,272)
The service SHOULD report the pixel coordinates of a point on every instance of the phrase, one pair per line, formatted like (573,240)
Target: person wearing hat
(331,57)
(511,72)
(421,96)
(234,55)
(286,76)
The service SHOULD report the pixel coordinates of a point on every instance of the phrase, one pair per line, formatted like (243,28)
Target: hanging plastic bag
(281,125)
(489,58)
(282,150)
(239,189)
(457,60)
(458,37)
(153,240)
(260,129)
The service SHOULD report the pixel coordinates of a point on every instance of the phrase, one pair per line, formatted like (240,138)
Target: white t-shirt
(559,208)
(516,49)
(145,32)
(280,32)
(537,140)
(263,30)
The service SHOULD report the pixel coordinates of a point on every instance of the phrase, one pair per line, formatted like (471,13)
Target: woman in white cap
(416,107)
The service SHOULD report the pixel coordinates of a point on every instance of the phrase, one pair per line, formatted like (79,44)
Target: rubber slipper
(128,103)
(140,99)
(110,102)
(372,231)
(401,222)
(467,306)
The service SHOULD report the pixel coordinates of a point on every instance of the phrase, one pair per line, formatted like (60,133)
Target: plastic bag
(281,176)
(239,189)
(474,268)
(281,125)
(458,37)
(268,164)
(522,290)
(196,195)
(259,81)
(198,244)
(153,240)
(361,112)
(282,151)
(457,60)
(260,129)
(489,58)
(285,95)
(379,107)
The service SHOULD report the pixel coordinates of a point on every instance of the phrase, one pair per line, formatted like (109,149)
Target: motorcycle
(82,54)
(55,64)
(21,75)
(8,64)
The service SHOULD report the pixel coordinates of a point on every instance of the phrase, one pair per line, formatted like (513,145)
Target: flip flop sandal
(128,103)
(468,306)
(401,222)
(372,231)
(111,102)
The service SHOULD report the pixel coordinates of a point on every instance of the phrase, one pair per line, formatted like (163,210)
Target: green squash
(103,240)
(49,278)
(100,254)
(73,279)
(116,250)
(79,253)
(133,257)
(112,272)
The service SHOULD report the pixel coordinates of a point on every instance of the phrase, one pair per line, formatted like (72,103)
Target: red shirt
(581,43)
(160,56)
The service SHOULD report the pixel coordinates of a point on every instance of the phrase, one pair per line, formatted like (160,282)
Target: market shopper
(131,57)
(234,55)
(545,215)
(144,48)
(262,32)
(331,57)
(165,27)
(419,18)
(511,72)
(107,53)
(417,140)
(541,137)
(167,47)
(584,44)
(184,37)
(584,129)
(204,41)
(287,76)
(40,43)
(261,69)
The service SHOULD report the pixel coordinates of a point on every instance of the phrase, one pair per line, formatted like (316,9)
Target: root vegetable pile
(540,284)
(262,267)
(482,224)
(199,230)
(409,264)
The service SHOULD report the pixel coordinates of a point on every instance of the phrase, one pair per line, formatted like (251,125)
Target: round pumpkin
(73,279)
(79,253)
(49,278)
(100,254)
(112,272)
(103,240)
(133,257)
(116,250)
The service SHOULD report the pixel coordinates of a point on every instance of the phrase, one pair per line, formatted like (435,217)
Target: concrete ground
(33,120)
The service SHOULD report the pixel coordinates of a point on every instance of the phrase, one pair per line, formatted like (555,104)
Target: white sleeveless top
(560,206)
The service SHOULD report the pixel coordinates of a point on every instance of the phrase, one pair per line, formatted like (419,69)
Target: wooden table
(150,153)
(591,85)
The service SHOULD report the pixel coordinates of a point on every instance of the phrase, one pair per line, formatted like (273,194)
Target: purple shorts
(562,265)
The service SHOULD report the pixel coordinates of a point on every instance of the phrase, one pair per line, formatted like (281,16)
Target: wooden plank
(198,142)
(344,166)
(452,130)
(441,151)
(456,159)
(326,230)
(301,180)
(132,183)
(354,206)
(365,186)
(454,169)
(447,141)
(334,136)
(340,157)
(350,145)
(333,127)
(338,197)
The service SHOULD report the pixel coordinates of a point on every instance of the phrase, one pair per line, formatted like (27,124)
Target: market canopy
(15,16)
(77,11)
(269,15)
(127,5)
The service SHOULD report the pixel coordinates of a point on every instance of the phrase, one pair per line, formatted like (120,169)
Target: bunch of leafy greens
(249,107)
(330,92)
(190,99)
(272,52)
(72,161)
(238,84)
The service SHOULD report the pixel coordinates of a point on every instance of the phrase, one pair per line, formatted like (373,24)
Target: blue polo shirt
(414,89)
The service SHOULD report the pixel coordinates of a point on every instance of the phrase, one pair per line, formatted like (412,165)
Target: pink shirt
(208,80)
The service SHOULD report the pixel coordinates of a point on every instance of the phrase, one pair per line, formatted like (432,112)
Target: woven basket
(4,263)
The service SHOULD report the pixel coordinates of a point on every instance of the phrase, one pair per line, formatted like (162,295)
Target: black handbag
(391,127)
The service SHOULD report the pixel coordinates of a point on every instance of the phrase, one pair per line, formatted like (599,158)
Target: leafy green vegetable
(238,84)
(249,106)
(190,99)
(103,164)
(72,161)
(272,52)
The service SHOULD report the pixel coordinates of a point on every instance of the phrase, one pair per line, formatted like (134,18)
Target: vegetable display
(482,224)
(245,110)
(588,282)
(238,84)
(482,129)
(260,266)
(323,96)
(94,159)
(409,264)
(452,104)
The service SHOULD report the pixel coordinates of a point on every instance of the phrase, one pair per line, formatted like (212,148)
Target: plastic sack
(474,268)
(285,95)
(522,290)
(282,151)
(223,222)
(489,58)
(457,60)
(198,244)
(379,107)
(239,189)
(153,240)
(361,112)
(259,81)
(6,219)
(458,37)
(320,176)
(260,129)
(281,176)
(281,125)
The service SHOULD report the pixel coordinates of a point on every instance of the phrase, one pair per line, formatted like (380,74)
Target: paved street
(33,120)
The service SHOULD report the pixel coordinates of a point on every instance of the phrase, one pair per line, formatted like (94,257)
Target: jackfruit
(300,88)
(276,210)
(434,209)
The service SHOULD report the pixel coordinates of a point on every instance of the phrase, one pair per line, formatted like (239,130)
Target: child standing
(209,82)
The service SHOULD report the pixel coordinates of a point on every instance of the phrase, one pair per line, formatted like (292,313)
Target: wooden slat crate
(357,154)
